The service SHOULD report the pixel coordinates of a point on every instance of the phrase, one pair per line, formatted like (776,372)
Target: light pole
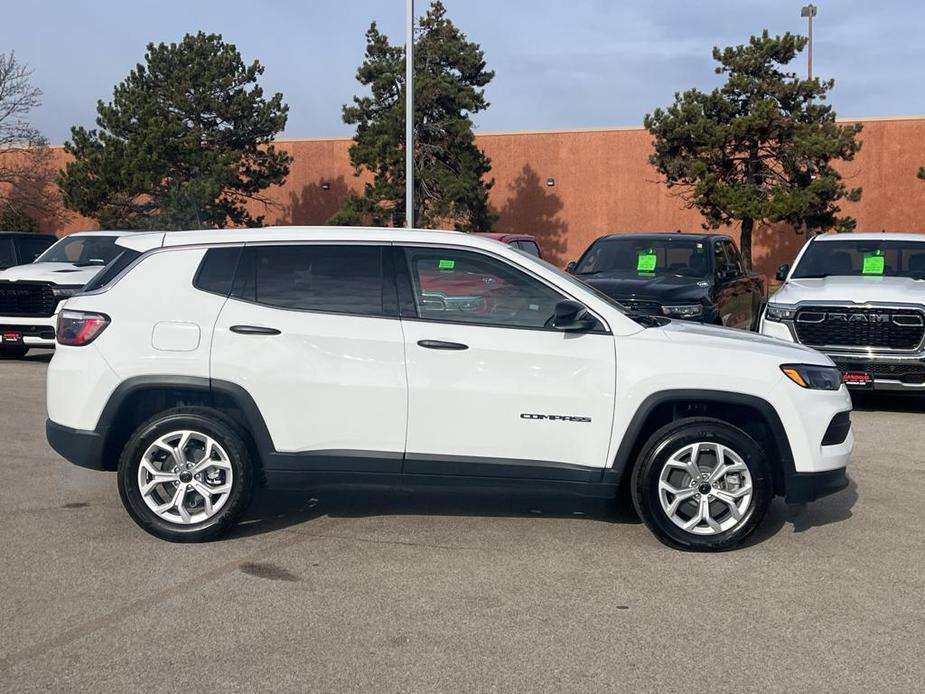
(809,11)
(409,115)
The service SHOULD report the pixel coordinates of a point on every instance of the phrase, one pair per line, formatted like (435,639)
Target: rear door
(494,391)
(311,332)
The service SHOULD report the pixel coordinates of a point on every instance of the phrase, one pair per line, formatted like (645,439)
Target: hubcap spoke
(185,486)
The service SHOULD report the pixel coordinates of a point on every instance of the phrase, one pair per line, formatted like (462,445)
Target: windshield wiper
(813,277)
(648,321)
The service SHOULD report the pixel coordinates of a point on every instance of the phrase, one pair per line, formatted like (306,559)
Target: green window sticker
(446,264)
(873,265)
(645,262)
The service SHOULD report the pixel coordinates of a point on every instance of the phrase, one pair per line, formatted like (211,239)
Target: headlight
(683,311)
(779,312)
(813,377)
(65,292)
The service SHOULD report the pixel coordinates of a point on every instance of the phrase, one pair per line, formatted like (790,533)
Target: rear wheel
(185,475)
(13,352)
(701,484)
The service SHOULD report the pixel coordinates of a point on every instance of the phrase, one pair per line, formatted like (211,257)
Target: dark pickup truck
(699,277)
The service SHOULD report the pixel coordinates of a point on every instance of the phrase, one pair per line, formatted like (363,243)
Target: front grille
(23,299)
(42,331)
(646,308)
(828,326)
(907,372)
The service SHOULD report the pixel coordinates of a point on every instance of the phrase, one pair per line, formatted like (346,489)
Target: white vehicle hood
(56,273)
(858,290)
(699,336)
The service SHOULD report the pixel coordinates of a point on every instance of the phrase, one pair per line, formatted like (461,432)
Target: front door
(493,390)
(311,332)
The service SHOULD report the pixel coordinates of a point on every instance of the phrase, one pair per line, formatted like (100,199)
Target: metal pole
(409,115)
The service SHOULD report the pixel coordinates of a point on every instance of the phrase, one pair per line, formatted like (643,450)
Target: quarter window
(465,287)
(336,279)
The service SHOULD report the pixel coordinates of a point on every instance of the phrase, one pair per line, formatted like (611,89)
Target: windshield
(646,257)
(82,250)
(863,259)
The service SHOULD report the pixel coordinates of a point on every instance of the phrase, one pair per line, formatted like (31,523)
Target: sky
(559,65)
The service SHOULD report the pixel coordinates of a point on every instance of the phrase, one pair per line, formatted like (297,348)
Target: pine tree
(185,142)
(450,188)
(759,148)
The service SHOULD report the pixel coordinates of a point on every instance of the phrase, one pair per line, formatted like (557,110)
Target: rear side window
(336,279)
(30,249)
(7,259)
(216,273)
(111,271)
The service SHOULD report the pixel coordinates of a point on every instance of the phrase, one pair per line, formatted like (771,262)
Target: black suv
(698,277)
(20,247)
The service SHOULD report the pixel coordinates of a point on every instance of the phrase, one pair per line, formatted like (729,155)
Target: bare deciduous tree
(26,170)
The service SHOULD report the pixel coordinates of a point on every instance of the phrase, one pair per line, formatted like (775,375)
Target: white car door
(492,390)
(311,332)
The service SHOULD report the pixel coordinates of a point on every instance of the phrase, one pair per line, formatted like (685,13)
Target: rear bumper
(803,487)
(78,446)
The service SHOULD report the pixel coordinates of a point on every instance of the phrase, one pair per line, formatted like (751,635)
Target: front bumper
(78,446)
(36,332)
(803,487)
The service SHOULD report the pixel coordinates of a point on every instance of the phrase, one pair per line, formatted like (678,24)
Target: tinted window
(30,249)
(529,247)
(732,255)
(338,279)
(460,286)
(860,258)
(82,250)
(7,259)
(645,256)
(119,263)
(216,273)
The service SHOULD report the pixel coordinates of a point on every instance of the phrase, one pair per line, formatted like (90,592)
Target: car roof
(105,233)
(870,236)
(150,240)
(667,235)
(25,234)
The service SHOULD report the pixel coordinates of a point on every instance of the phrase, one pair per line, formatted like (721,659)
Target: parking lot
(364,590)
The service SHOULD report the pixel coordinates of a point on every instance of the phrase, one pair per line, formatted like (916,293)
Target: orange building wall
(604,184)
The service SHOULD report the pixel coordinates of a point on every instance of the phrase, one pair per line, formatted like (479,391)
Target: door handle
(253,330)
(440,344)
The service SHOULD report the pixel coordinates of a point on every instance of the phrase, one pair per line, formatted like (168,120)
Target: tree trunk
(745,241)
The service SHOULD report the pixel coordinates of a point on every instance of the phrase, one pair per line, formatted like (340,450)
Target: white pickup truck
(860,299)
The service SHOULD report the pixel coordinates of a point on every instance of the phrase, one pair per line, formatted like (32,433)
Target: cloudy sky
(574,64)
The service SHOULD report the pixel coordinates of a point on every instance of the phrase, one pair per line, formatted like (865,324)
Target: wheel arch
(139,398)
(755,415)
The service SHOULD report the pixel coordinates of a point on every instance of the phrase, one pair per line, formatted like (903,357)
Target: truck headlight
(812,376)
(779,312)
(683,311)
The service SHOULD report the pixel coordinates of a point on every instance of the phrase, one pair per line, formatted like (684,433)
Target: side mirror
(572,316)
(570,268)
(782,272)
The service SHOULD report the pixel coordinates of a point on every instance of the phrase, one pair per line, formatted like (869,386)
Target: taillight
(79,328)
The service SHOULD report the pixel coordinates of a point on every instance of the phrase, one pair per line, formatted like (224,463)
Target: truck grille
(912,371)
(646,308)
(884,328)
(23,299)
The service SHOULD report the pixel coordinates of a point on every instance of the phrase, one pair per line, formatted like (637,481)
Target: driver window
(719,258)
(734,259)
(464,287)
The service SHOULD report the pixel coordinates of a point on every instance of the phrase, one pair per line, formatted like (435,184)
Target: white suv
(299,357)
(31,294)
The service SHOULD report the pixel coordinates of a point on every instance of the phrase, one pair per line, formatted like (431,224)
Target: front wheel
(13,352)
(701,484)
(185,475)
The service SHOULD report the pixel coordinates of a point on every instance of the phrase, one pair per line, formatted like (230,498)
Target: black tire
(13,352)
(205,421)
(670,439)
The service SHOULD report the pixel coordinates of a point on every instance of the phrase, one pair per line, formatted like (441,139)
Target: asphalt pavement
(367,590)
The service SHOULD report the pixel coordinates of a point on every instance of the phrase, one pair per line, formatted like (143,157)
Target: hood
(631,285)
(698,336)
(859,290)
(56,273)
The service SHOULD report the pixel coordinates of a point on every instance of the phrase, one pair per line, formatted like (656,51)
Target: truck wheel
(185,475)
(13,352)
(701,484)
